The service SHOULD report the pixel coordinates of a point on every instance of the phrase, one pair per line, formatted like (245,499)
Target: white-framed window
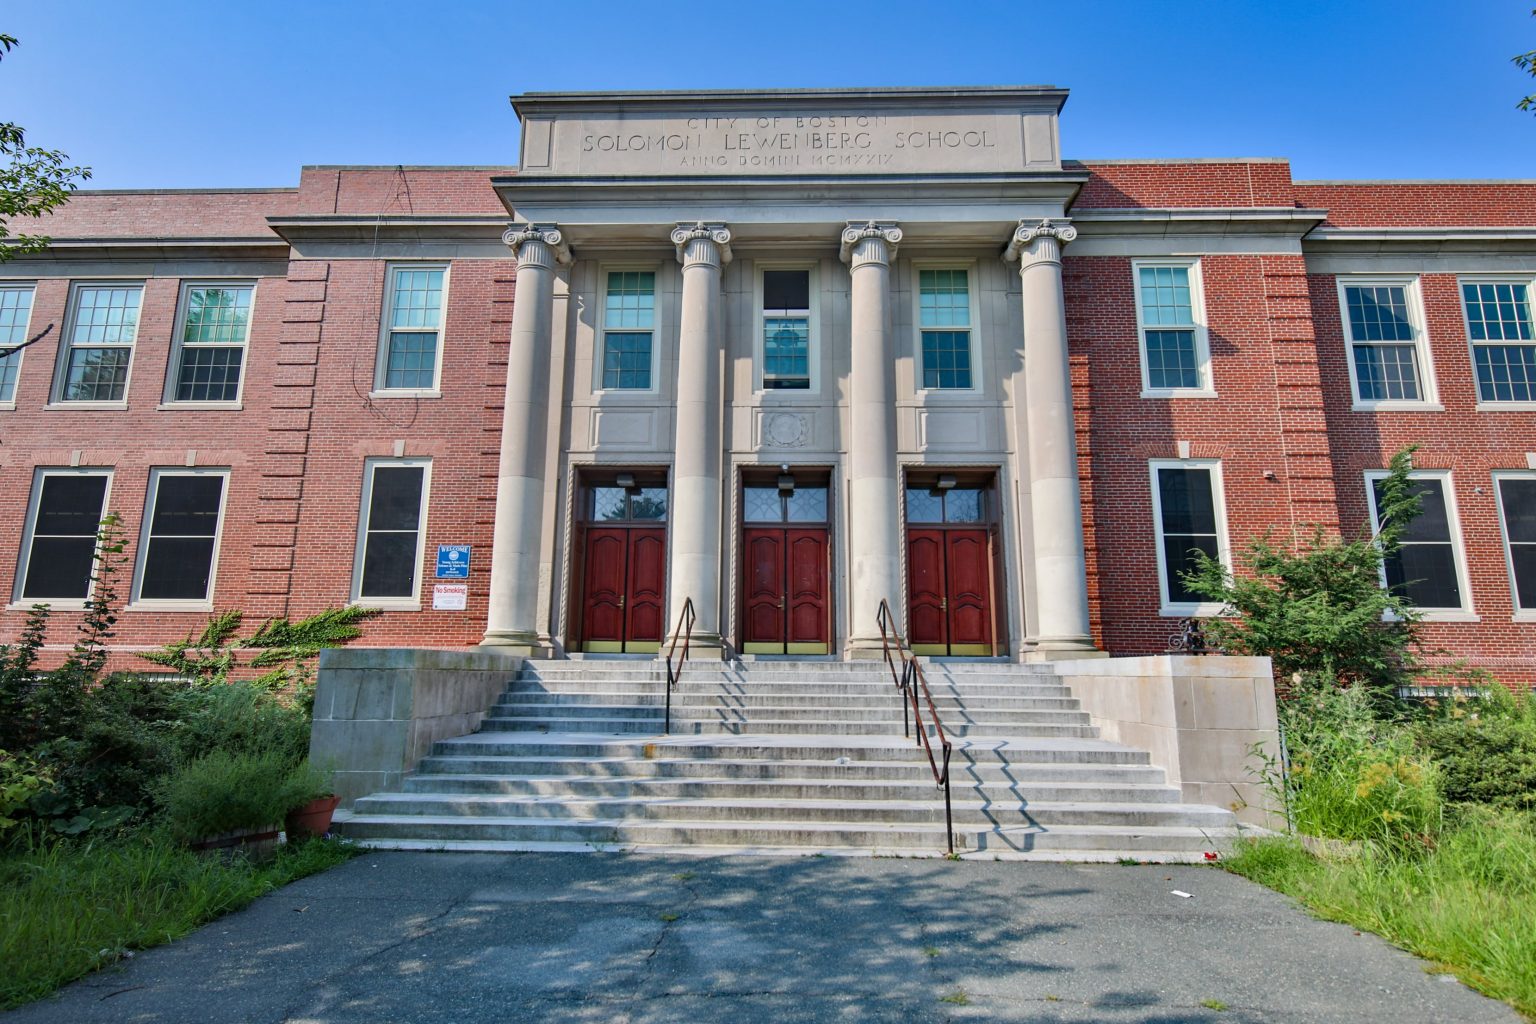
(15,315)
(627,341)
(213,328)
(179,543)
(1171,333)
(1389,364)
(1500,331)
(788,335)
(390,532)
(410,343)
(946,324)
(1189,515)
(1517,516)
(99,332)
(1428,567)
(58,548)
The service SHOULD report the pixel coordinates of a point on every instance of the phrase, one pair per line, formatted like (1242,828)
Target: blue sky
(175,94)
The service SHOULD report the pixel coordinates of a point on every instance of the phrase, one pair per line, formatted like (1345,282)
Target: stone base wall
(379,710)
(1199,717)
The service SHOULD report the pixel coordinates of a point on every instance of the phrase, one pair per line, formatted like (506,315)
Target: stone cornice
(1159,222)
(1407,240)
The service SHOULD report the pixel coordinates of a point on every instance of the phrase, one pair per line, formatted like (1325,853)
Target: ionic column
(695,556)
(874,539)
(1061,571)
(512,621)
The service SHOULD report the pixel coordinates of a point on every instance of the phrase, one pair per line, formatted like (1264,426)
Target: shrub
(1352,775)
(1485,759)
(222,792)
(241,718)
(21,778)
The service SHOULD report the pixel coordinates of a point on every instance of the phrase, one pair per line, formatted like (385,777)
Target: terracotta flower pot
(314,818)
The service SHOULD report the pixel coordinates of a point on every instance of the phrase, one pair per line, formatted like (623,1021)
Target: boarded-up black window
(63,549)
(1423,568)
(1517,496)
(1186,500)
(183,526)
(391,542)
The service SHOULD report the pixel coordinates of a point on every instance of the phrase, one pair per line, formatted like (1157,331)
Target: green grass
(67,910)
(1468,903)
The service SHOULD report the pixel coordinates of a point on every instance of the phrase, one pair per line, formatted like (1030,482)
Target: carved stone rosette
(541,245)
(869,242)
(1038,243)
(702,243)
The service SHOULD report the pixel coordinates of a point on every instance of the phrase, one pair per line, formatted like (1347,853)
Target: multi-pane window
(1173,345)
(1426,567)
(215,326)
(102,328)
(944,320)
(58,556)
(413,327)
(1503,346)
(629,325)
(15,310)
(393,522)
(181,532)
(786,330)
(1385,355)
(1188,515)
(1517,507)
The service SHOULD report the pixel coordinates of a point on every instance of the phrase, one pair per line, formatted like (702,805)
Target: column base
(701,647)
(529,645)
(864,648)
(1061,648)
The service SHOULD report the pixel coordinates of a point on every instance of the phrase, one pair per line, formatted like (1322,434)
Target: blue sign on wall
(453,561)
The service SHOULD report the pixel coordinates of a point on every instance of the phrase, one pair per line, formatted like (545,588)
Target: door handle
(781,602)
(943,604)
(621,600)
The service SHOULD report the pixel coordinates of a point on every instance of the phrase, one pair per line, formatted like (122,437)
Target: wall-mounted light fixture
(626,481)
(946,481)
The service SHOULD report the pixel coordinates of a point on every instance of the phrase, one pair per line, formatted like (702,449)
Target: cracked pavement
(633,939)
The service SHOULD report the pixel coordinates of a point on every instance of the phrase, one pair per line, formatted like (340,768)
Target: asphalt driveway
(629,939)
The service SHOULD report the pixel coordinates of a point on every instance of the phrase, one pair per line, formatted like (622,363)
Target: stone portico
(704,193)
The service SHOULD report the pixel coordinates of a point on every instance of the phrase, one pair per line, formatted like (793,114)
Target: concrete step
(651,725)
(749,809)
(911,771)
(885,698)
(579,786)
(705,712)
(889,747)
(1121,841)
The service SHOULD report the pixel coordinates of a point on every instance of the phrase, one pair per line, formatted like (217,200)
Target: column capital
(870,242)
(537,244)
(699,242)
(1041,242)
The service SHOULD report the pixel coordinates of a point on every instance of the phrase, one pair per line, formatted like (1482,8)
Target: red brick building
(779,328)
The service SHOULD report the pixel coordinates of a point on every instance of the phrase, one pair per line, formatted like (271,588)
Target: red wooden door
(968,586)
(645,590)
(765,606)
(624,583)
(785,603)
(927,606)
(604,588)
(806,573)
(949,590)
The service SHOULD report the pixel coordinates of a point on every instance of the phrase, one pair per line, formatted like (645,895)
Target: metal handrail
(685,621)
(909,679)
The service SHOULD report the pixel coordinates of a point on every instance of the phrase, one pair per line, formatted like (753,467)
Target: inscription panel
(794,143)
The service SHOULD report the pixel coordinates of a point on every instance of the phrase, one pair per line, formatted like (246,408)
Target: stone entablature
(795,132)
